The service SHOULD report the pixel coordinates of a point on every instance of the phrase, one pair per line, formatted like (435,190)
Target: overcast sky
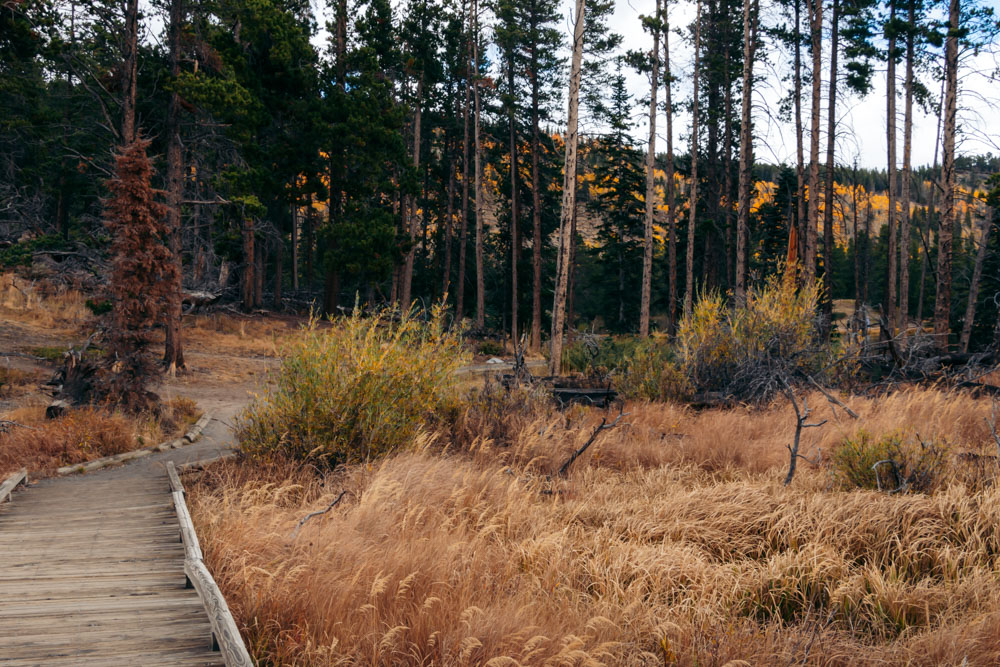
(861,122)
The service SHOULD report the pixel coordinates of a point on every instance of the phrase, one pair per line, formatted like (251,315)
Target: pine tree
(142,275)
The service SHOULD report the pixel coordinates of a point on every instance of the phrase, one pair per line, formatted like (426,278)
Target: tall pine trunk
(746,148)
(904,218)
(480,279)
(515,230)
(693,198)
(650,203)
(173,349)
(800,167)
(464,235)
(668,188)
(831,136)
(947,221)
(812,221)
(890,100)
(536,204)
(568,197)
(410,206)
(130,67)
(977,273)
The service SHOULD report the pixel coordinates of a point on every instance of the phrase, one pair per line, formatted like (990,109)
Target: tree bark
(279,272)
(480,279)
(931,211)
(977,272)
(409,207)
(536,205)
(890,100)
(173,349)
(569,196)
(668,187)
(812,222)
(463,236)
(249,264)
(828,201)
(904,218)
(800,168)
(449,225)
(295,246)
(130,66)
(650,203)
(946,224)
(746,148)
(515,236)
(693,198)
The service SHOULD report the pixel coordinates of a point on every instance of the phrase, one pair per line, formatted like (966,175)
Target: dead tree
(801,422)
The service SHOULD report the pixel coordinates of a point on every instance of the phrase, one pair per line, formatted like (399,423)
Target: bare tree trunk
(800,168)
(279,272)
(650,203)
(258,276)
(249,264)
(831,136)
(295,246)
(904,219)
(669,185)
(890,100)
(569,196)
(693,199)
(536,208)
(131,66)
(977,272)
(868,247)
(571,283)
(310,235)
(946,224)
(746,148)
(931,211)
(409,207)
(854,231)
(727,143)
(464,236)
(448,231)
(173,349)
(515,231)
(812,223)
(480,279)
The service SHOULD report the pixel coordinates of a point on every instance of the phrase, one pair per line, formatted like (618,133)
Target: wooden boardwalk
(92,573)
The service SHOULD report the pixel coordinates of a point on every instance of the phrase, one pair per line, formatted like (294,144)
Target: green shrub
(602,356)
(742,351)
(652,373)
(354,391)
(903,462)
(491,348)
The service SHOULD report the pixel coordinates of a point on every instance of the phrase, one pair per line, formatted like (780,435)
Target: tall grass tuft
(354,391)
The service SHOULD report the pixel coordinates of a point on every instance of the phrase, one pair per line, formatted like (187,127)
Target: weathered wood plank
(11,483)
(226,634)
(175,480)
(192,550)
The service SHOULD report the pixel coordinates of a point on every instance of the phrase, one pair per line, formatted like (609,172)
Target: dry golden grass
(83,434)
(673,540)
(50,308)
(240,335)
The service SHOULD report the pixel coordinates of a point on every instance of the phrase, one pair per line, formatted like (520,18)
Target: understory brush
(29,440)
(354,391)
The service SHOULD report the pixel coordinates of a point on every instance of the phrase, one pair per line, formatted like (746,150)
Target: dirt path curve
(91,567)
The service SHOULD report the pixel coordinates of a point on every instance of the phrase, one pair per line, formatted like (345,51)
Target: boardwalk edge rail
(11,483)
(225,634)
